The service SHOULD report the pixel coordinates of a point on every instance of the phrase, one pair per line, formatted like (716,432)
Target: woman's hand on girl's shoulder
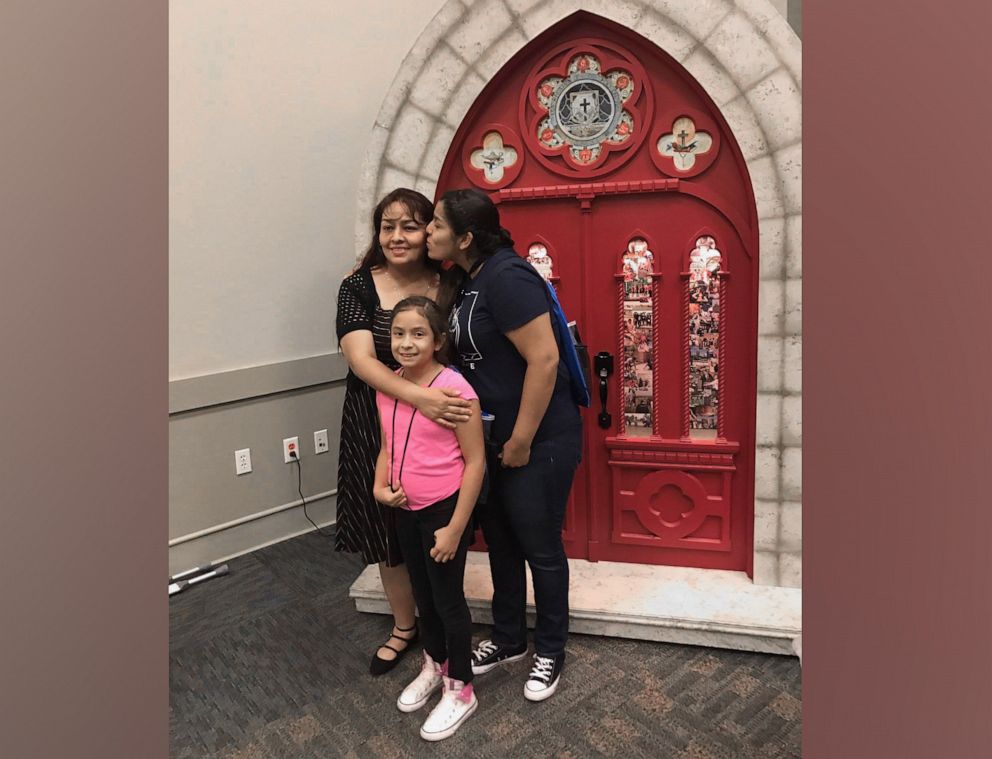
(445,406)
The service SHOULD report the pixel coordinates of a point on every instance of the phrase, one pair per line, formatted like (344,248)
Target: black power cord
(299,486)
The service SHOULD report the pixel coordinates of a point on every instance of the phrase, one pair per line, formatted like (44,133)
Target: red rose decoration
(583,64)
(585,155)
(547,135)
(546,90)
(622,82)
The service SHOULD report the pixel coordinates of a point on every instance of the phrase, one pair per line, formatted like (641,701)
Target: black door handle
(603,365)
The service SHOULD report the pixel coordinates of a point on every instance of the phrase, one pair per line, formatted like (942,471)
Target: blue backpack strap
(566,340)
(570,353)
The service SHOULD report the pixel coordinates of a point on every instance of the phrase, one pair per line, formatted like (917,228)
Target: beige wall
(213,513)
(271,104)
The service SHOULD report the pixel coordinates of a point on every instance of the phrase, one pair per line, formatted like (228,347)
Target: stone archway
(748,60)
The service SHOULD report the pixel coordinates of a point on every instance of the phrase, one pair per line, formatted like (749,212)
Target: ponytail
(487,242)
(473,211)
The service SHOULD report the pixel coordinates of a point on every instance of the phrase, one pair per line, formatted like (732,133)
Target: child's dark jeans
(445,621)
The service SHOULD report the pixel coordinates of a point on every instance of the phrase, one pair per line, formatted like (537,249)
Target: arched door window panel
(704,300)
(581,109)
(685,144)
(539,257)
(492,158)
(638,338)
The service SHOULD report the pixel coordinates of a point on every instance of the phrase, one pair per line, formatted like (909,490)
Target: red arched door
(620,181)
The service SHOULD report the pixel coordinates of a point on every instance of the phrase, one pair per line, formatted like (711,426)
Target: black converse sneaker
(544,677)
(488,654)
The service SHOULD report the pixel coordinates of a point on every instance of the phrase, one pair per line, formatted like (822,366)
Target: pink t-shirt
(434,466)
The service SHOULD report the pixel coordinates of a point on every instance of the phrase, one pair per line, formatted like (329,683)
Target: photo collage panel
(704,338)
(638,347)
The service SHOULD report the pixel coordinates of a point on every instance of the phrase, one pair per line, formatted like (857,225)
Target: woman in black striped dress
(394,267)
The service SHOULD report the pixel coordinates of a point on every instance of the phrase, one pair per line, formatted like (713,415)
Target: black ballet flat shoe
(380,666)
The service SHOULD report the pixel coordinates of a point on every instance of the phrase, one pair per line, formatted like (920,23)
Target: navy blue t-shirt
(502,298)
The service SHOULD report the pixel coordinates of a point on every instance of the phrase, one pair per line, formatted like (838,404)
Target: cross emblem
(581,111)
(584,106)
(492,158)
(683,145)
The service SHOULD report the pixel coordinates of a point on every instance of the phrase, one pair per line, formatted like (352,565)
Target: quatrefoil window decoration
(684,143)
(493,158)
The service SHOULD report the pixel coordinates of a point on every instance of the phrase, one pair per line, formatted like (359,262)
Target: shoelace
(485,648)
(449,702)
(425,679)
(543,667)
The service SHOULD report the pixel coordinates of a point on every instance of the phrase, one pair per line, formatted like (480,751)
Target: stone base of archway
(700,607)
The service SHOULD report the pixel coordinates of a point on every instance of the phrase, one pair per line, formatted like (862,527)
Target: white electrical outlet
(320,441)
(242,461)
(290,444)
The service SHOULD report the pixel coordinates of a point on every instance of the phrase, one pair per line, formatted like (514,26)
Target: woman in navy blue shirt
(508,352)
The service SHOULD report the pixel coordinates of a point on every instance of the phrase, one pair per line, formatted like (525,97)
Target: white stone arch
(748,60)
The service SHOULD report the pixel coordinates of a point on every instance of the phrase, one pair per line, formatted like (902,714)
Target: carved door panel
(668,474)
(620,181)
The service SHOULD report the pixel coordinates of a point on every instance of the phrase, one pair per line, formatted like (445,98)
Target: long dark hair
(420,208)
(436,320)
(471,210)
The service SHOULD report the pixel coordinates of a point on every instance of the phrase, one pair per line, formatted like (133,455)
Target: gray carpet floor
(272,661)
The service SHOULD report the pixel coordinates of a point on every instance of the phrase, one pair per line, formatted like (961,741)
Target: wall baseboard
(250,518)
(251,533)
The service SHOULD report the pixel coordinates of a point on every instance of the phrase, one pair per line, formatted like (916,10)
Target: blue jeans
(522,521)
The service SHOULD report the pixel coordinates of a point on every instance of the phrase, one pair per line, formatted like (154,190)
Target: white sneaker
(417,693)
(544,677)
(457,704)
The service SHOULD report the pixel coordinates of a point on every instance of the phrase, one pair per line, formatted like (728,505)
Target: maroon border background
(83,341)
(897,519)
(896,406)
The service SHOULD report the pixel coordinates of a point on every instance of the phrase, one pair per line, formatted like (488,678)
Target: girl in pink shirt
(432,476)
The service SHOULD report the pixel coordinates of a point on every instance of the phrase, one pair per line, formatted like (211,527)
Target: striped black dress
(363,525)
